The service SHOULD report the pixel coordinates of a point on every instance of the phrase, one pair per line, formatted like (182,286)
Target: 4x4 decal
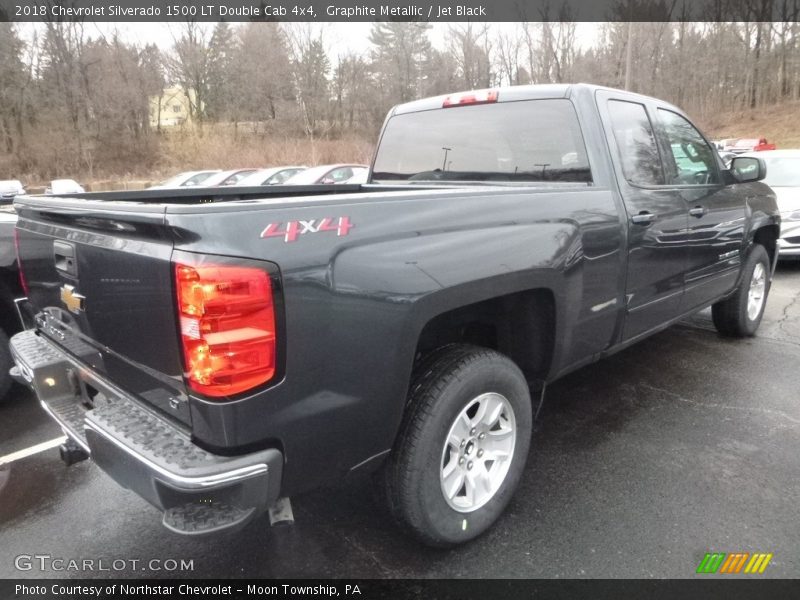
(294,229)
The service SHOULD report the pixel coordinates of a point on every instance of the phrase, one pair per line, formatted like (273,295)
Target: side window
(641,163)
(695,162)
(341,174)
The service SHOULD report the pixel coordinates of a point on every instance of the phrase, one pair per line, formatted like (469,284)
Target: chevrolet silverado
(219,350)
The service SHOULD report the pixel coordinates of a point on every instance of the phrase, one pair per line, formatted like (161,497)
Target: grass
(779,124)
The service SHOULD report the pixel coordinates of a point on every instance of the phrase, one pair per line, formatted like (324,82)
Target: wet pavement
(685,443)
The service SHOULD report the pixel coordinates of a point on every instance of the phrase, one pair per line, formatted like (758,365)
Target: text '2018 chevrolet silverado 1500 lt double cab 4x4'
(218,350)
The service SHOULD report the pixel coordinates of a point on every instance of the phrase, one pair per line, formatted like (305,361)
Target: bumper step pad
(70,414)
(199,518)
(199,491)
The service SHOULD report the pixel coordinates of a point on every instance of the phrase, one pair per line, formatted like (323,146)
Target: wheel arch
(767,235)
(522,324)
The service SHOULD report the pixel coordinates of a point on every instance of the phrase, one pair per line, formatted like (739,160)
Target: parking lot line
(9,458)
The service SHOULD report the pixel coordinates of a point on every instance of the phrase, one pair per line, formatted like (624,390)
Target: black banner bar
(397,10)
(439,589)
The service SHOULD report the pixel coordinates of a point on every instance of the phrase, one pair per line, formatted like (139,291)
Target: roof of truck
(514,93)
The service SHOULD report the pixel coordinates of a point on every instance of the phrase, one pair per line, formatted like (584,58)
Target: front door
(716,212)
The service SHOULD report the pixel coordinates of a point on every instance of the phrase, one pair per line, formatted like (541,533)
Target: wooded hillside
(75,103)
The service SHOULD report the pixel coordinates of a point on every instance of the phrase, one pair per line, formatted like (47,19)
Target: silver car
(783,176)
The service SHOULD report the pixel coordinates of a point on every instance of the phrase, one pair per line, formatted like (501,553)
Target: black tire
(6,362)
(731,316)
(445,384)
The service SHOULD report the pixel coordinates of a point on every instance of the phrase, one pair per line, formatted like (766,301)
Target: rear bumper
(143,451)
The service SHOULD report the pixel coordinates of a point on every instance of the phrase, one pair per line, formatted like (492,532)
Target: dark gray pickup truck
(216,351)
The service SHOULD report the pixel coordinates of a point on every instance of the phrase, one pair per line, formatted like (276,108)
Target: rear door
(657,214)
(716,212)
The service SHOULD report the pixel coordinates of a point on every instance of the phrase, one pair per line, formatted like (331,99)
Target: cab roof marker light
(469,98)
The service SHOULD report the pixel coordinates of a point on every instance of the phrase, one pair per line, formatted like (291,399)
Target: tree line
(75,101)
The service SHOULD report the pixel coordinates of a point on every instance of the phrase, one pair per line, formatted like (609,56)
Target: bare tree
(190,66)
(310,68)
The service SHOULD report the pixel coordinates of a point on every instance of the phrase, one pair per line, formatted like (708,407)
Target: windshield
(534,140)
(783,171)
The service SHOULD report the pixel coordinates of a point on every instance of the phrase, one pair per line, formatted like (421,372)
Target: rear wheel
(462,446)
(740,315)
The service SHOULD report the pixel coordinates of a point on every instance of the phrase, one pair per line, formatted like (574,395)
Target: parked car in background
(64,186)
(185,179)
(783,176)
(726,157)
(742,145)
(360,175)
(10,188)
(272,176)
(325,174)
(230,177)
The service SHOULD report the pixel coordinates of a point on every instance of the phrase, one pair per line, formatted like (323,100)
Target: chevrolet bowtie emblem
(73,301)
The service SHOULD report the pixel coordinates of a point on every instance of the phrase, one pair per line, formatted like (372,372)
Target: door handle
(65,259)
(697,211)
(643,218)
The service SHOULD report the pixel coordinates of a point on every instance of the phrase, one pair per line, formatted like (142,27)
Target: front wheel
(462,446)
(740,315)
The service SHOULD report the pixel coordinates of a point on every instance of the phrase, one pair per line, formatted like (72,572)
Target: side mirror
(748,168)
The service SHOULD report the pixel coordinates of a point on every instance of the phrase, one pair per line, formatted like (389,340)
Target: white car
(273,176)
(783,176)
(185,179)
(10,188)
(230,177)
(341,173)
(59,187)
(360,175)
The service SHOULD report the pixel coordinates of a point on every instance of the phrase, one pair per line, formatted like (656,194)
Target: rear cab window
(516,142)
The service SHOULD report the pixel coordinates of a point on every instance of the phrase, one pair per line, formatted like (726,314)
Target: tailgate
(99,277)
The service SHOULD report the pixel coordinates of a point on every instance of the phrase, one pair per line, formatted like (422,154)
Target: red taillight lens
(22,281)
(480,97)
(227,321)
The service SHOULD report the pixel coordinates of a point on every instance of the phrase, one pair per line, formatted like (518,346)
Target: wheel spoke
(483,406)
(756,293)
(470,489)
(493,414)
(453,483)
(496,450)
(500,434)
(452,465)
(483,482)
(461,427)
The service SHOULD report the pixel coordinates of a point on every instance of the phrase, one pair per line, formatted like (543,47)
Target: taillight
(479,97)
(227,323)
(22,281)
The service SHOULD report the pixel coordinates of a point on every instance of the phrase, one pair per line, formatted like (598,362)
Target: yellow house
(171,108)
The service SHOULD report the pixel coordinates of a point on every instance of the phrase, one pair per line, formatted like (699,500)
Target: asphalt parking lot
(642,463)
